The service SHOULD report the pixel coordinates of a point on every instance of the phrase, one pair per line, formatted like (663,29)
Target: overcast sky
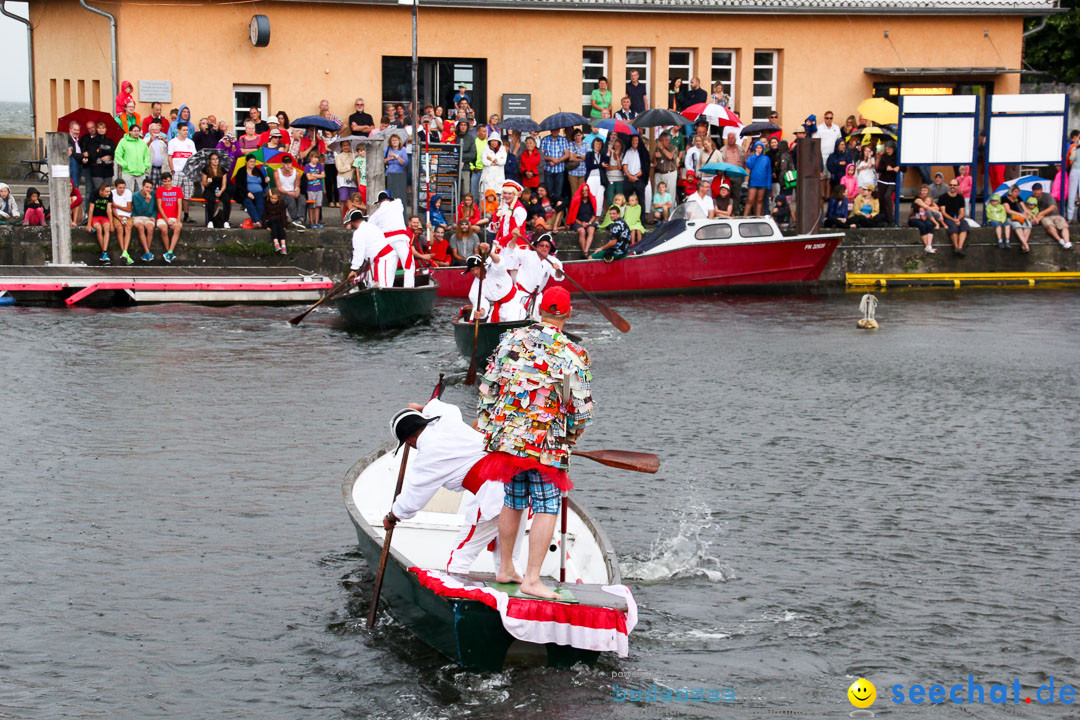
(15,79)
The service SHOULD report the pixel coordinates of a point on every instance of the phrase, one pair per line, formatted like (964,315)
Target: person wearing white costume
(535,267)
(499,302)
(510,226)
(446,449)
(370,248)
(390,218)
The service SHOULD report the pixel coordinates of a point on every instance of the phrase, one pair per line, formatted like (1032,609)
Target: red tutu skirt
(503,467)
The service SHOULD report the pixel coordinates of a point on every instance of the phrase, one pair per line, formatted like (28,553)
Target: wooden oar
(613,317)
(386,546)
(470,377)
(622,459)
(333,291)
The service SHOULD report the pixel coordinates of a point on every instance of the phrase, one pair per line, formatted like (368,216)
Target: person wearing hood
(133,158)
(33,209)
(182,118)
(123,98)
(849,183)
(493,158)
(9,208)
(838,162)
(435,213)
(760,167)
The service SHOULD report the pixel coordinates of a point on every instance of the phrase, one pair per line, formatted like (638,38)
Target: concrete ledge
(328,251)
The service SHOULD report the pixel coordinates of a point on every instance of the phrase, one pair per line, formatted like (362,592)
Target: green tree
(1055,50)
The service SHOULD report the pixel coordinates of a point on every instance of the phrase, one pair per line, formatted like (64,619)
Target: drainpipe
(30,56)
(112,33)
(1037,28)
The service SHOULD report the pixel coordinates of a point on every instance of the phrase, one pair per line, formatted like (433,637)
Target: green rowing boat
(487,340)
(378,308)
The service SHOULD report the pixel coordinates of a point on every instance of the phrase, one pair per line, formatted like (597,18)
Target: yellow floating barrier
(880,281)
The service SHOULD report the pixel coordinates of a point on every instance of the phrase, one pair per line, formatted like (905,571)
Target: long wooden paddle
(622,459)
(386,546)
(613,317)
(470,377)
(333,291)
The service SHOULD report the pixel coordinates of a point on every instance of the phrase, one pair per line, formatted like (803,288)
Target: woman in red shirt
(469,211)
(529,164)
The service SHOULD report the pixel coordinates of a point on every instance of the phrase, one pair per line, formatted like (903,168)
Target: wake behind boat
(688,255)
(469,618)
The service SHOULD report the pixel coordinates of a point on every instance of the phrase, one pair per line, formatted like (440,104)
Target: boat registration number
(814,246)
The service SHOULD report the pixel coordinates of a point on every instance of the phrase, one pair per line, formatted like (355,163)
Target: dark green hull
(466,631)
(487,340)
(385,308)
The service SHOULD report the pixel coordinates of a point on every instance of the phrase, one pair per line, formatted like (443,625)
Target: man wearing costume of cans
(534,404)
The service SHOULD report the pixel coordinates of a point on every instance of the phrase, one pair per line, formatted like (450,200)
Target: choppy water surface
(832,503)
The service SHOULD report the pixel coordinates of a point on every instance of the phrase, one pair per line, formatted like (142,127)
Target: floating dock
(129,285)
(863,282)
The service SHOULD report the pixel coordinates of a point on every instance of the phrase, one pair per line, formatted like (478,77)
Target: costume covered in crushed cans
(535,402)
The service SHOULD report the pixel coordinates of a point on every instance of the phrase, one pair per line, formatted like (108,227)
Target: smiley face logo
(862,693)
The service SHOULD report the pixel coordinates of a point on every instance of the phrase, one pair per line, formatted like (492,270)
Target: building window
(593,67)
(246,97)
(764,84)
(723,71)
(636,59)
(680,65)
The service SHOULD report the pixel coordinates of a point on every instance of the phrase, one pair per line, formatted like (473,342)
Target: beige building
(797,56)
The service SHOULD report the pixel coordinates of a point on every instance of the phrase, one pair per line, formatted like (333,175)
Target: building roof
(877,7)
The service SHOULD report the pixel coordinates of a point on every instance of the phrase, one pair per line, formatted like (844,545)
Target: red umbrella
(84,116)
(715,114)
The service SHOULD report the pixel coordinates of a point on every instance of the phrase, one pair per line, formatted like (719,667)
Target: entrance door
(438,79)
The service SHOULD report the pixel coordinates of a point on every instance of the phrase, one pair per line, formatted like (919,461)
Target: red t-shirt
(170,201)
(440,250)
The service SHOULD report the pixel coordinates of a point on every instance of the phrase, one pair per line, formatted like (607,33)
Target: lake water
(832,503)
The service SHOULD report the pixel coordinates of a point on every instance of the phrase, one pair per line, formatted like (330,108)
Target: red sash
(387,249)
(408,235)
(499,303)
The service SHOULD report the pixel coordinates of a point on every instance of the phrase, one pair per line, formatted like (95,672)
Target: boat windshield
(664,231)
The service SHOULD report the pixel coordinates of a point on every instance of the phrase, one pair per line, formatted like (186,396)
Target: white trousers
(383,272)
(473,539)
(404,258)
(1074,191)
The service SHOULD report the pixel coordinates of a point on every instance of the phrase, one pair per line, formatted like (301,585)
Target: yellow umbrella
(879,110)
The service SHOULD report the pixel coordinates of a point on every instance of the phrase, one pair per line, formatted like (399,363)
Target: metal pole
(415,116)
(56,145)
(112,42)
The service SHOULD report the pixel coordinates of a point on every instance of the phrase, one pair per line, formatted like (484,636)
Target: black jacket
(594,163)
(240,182)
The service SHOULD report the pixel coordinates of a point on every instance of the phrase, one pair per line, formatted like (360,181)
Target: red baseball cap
(556,301)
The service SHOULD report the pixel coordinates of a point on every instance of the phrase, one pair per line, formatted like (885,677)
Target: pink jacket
(964,181)
(851,185)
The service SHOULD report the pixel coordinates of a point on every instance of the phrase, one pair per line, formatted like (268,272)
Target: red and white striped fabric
(543,621)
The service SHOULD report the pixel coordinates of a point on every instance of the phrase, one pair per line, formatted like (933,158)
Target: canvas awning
(957,72)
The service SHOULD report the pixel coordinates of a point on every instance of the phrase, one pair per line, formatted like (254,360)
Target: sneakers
(147,257)
(210,225)
(126,258)
(930,249)
(277,246)
(1007,245)
(226,226)
(297,224)
(1067,245)
(105,259)
(168,257)
(282,250)
(1001,244)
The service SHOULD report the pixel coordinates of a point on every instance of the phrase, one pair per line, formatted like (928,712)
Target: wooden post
(374,149)
(808,190)
(56,145)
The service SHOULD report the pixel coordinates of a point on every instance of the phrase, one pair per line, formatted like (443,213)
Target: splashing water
(683,554)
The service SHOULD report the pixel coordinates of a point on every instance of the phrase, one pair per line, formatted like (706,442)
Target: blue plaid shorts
(529,486)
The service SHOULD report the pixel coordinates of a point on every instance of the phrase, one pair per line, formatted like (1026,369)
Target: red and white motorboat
(685,255)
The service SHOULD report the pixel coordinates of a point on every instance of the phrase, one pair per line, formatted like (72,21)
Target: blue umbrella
(1025,184)
(315,121)
(725,169)
(562,120)
(521,124)
(613,124)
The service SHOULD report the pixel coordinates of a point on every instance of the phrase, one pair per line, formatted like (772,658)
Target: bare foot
(538,589)
(511,577)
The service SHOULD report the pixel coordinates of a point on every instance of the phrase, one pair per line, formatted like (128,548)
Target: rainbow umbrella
(264,157)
